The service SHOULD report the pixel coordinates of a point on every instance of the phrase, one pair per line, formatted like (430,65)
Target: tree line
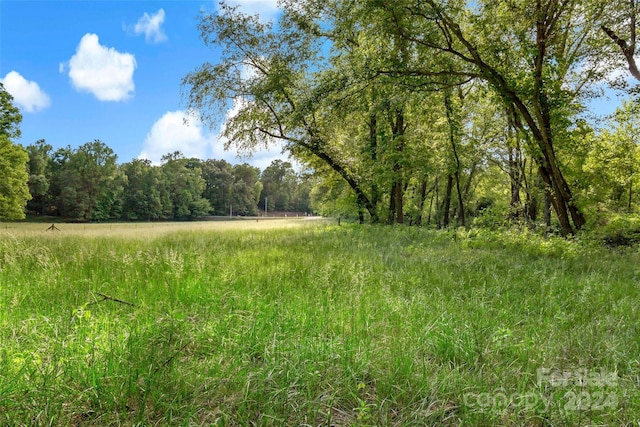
(87,183)
(435,111)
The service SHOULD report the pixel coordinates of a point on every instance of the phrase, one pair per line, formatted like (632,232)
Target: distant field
(149,229)
(295,322)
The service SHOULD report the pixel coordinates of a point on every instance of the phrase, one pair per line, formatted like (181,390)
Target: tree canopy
(390,98)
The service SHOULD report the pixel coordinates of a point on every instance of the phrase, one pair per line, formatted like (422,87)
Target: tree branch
(628,50)
(107,297)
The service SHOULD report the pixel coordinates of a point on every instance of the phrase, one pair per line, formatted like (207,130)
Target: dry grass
(147,230)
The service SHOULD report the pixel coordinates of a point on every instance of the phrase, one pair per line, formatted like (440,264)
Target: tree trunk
(437,188)
(460,202)
(547,209)
(454,136)
(391,217)
(467,186)
(396,211)
(514,172)
(514,166)
(536,115)
(560,194)
(422,200)
(373,150)
(431,204)
(361,197)
(399,203)
(447,201)
(531,201)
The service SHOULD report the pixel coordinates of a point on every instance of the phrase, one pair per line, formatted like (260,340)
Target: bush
(616,231)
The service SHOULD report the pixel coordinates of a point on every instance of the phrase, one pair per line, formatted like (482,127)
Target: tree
(264,73)
(219,179)
(246,189)
(87,181)
(38,175)
(145,195)
(612,162)
(538,56)
(14,191)
(620,19)
(10,117)
(185,185)
(278,184)
(381,96)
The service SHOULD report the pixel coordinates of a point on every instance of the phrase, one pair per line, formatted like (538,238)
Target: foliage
(615,231)
(145,195)
(410,101)
(183,178)
(246,189)
(612,161)
(219,179)
(280,181)
(38,175)
(14,192)
(86,182)
(10,117)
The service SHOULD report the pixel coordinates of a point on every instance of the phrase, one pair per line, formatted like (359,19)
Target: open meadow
(294,322)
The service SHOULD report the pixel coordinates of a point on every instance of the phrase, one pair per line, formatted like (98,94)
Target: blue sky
(111,70)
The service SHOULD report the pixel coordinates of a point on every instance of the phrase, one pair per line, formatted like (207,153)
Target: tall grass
(305,324)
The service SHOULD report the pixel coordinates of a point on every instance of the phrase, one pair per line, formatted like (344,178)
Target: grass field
(290,323)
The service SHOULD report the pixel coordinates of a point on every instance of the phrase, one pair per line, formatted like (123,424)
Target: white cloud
(170,133)
(101,70)
(267,9)
(150,26)
(27,94)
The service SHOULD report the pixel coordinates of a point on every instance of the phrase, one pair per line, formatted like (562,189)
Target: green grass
(300,323)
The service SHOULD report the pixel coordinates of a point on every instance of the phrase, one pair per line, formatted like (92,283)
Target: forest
(437,112)
(87,184)
(446,114)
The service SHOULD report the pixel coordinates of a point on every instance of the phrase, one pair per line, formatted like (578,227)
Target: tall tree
(185,185)
(265,73)
(246,189)
(278,185)
(88,182)
(145,194)
(538,56)
(38,175)
(14,191)
(219,178)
